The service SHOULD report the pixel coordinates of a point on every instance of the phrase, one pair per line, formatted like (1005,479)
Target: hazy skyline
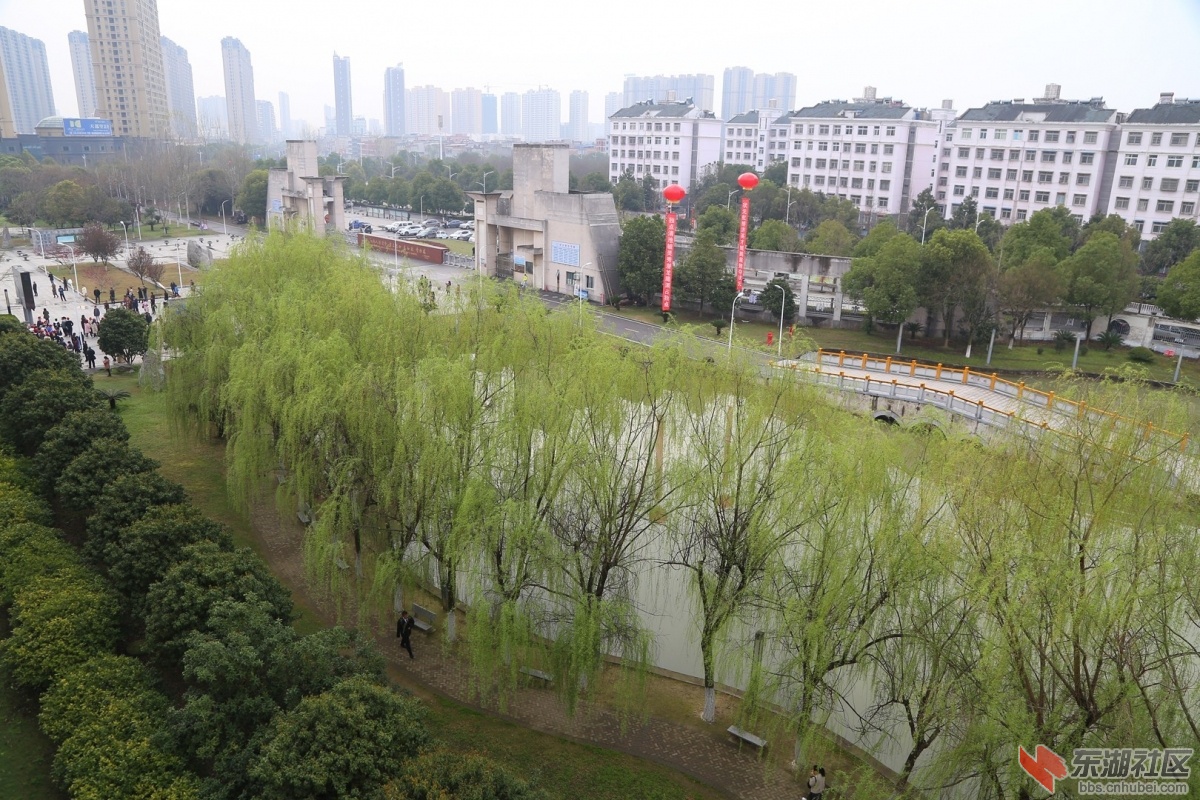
(922,54)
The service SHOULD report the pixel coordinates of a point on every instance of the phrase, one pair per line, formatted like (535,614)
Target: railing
(915,370)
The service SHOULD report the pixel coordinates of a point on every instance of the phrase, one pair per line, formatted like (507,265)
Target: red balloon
(747,180)
(674,193)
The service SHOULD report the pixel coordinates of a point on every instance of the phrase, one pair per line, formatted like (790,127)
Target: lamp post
(787,214)
(732,311)
(923,221)
(125,228)
(178,266)
(489,172)
(729,198)
(224,227)
(580,293)
(74,266)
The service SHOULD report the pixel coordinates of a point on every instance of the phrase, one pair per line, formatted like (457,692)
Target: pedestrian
(153,304)
(62,294)
(96,292)
(90,355)
(404,627)
(46,314)
(35,288)
(108,366)
(112,295)
(149,318)
(816,783)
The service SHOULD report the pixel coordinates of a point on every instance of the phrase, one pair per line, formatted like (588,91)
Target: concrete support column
(837,300)
(1046,324)
(802,301)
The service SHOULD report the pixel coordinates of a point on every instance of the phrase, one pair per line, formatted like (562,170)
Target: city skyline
(1094,61)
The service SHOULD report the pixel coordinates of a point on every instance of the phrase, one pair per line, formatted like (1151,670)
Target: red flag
(668,262)
(741,251)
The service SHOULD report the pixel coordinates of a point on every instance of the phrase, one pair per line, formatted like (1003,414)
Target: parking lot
(428,227)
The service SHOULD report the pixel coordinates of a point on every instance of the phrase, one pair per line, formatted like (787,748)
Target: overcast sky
(921,52)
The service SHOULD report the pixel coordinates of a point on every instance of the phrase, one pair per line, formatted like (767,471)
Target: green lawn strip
(1022,357)
(565,768)
(25,752)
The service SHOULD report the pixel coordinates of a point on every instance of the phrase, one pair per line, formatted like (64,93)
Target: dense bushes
(259,711)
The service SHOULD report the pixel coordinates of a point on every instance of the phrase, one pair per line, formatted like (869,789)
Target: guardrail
(991,382)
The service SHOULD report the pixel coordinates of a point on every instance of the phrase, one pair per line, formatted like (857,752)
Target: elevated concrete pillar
(837,299)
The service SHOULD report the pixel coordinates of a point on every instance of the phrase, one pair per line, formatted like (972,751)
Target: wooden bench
(747,737)
(423,618)
(537,673)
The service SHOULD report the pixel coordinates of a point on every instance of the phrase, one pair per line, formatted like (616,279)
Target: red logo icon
(1044,768)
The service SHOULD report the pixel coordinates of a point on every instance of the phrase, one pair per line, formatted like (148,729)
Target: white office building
(393,101)
(510,114)
(578,129)
(25,96)
(181,97)
(671,142)
(756,138)
(1156,177)
(466,111)
(1016,158)
(81,69)
(541,115)
(427,111)
(877,153)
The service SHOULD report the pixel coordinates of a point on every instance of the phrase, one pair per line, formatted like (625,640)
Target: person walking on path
(816,783)
(404,627)
(108,366)
(96,293)
(90,356)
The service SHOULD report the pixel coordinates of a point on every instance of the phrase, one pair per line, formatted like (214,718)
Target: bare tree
(141,263)
(98,243)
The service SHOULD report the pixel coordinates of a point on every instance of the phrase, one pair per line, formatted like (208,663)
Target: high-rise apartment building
(670,142)
(578,129)
(239,91)
(285,116)
(428,111)
(343,106)
(265,121)
(510,114)
(744,90)
(466,111)
(541,115)
(181,97)
(670,88)
(212,117)
(81,69)
(127,64)
(393,101)
(26,77)
(491,115)
(613,102)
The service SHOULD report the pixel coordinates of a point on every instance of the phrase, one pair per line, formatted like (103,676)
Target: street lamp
(74,266)
(728,199)
(580,293)
(732,311)
(224,227)
(923,221)
(787,215)
(489,172)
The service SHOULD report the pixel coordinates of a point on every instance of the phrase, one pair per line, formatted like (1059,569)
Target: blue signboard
(564,253)
(74,126)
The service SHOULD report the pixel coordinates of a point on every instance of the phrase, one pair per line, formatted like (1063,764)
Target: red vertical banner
(741,251)
(668,261)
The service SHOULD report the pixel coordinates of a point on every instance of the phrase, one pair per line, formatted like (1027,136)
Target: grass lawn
(1021,357)
(25,752)
(462,248)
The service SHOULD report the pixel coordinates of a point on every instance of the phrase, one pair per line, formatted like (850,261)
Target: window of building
(1045,177)
(977,172)
(960,172)
(856,183)
(1155,139)
(885,186)
(1079,199)
(822,146)
(1068,157)
(891,130)
(1152,160)
(823,130)
(1139,225)
(1051,136)
(1031,155)
(1014,155)
(1001,134)
(837,146)
(1070,137)
(1174,161)
(983,133)
(1179,140)
(1089,137)
(1064,178)
(1164,206)
(837,130)
(980,152)
(942,181)
(843,182)
(1192,186)
(881,202)
(819,180)
(965,133)
(1147,183)
(1033,136)
(859,166)
(871,184)
(1009,194)
(820,163)
(1121,203)
(887,166)
(964,152)
(862,130)
(993,174)
(1060,199)
(810,129)
(1187,208)
(1049,156)
(1143,204)
(959,190)
(1158,227)
(997,155)
(1042,197)
(874,149)
(1125,182)
(1134,137)
(1026,175)
(860,147)
(992,193)
(1169,184)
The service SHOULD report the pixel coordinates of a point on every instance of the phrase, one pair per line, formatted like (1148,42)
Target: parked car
(409,230)
(453,224)
(355,224)
(392,227)
(428,233)
(462,235)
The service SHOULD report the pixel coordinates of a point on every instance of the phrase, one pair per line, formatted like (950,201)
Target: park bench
(747,737)
(423,618)
(537,673)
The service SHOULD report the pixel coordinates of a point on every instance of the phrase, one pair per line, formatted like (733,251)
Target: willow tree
(739,453)
(607,524)
(843,575)
(1073,548)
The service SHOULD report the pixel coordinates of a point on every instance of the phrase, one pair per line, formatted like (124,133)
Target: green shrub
(29,551)
(71,437)
(19,505)
(31,408)
(437,774)
(78,697)
(58,623)
(1142,355)
(83,482)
